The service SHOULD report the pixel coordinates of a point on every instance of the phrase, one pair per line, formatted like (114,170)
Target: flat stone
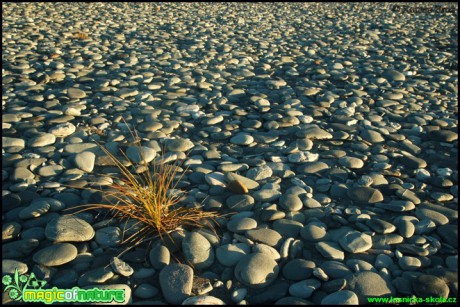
(180,145)
(85,161)
(63,130)
(290,202)
(145,291)
(198,250)
(335,269)
(237,187)
(75,93)
(372,136)
(42,140)
(108,236)
(176,281)
(436,217)
(230,254)
(55,255)
(264,235)
(241,224)
(248,183)
(121,267)
(393,75)
(313,231)
(351,162)
(96,276)
(256,270)
(140,154)
(34,210)
(159,256)
(18,249)
(305,288)
(9,266)
(298,269)
(356,242)
(314,133)
(330,250)
(242,139)
(408,263)
(430,286)
(369,284)
(312,167)
(366,195)
(69,228)
(267,195)
(203,300)
(443,136)
(12,142)
(343,297)
(259,173)
(240,202)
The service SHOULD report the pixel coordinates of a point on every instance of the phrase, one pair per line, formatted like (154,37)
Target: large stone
(256,270)
(69,228)
(55,255)
(369,284)
(198,250)
(176,281)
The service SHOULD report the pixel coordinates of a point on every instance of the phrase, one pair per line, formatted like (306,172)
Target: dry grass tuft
(146,203)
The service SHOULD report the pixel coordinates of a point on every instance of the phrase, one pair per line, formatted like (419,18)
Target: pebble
(305,288)
(344,297)
(69,228)
(256,270)
(298,269)
(356,242)
(430,286)
(176,281)
(85,161)
(369,284)
(159,256)
(197,250)
(56,255)
(203,300)
(121,267)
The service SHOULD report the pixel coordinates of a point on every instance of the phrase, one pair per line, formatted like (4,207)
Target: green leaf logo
(17,284)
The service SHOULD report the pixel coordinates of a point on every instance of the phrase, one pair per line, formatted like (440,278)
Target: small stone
(242,139)
(159,256)
(121,267)
(356,242)
(63,130)
(75,93)
(85,161)
(230,254)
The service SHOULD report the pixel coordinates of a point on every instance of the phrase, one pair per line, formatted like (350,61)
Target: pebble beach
(327,133)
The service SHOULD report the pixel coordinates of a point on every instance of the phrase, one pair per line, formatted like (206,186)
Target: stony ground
(329,131)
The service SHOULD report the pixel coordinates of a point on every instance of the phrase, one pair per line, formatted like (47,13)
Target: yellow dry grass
(146,199)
